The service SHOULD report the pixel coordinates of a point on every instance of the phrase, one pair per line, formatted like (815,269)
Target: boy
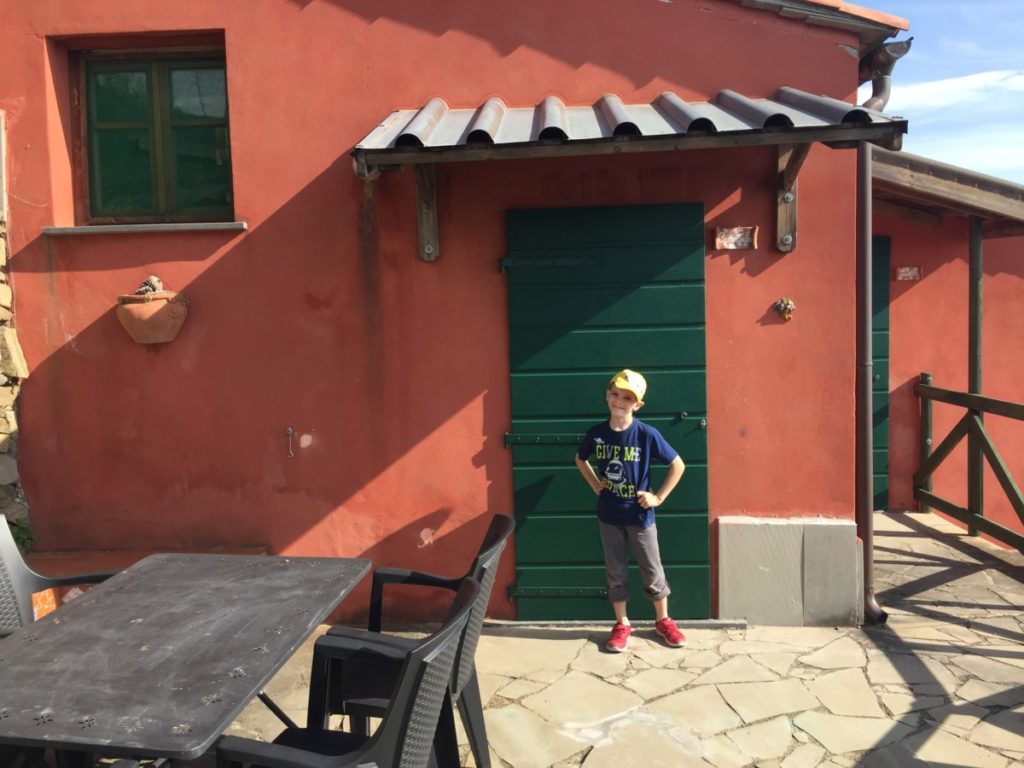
(623,448)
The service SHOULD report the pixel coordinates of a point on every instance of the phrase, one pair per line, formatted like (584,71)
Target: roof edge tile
(871,26)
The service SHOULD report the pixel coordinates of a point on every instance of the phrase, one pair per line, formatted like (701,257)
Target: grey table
(160,659)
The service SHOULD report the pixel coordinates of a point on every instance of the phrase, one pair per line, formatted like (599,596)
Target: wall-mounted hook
(290,432)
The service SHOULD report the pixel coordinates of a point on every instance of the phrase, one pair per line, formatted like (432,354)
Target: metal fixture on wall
(785,307)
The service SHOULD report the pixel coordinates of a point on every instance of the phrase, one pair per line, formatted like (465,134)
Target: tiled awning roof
(437,133)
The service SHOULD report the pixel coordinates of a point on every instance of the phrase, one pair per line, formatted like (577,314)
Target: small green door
(593,290)
(880,368)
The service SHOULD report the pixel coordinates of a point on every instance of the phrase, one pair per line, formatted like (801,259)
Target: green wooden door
(593,290)
(880,368)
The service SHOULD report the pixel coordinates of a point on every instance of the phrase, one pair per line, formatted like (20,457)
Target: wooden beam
(893,200)
(955,194)
(894,209)
(791,159)
(893,192)
(1005,408)
(975,456)
(999,468)
(795,156)
(1004,228)
(995,530)
(426,212)
(949,442)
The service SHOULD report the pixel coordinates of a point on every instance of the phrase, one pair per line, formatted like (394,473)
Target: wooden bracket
(791,159)
(426,211)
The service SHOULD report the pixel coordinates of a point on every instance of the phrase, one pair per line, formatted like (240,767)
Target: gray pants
(618,541)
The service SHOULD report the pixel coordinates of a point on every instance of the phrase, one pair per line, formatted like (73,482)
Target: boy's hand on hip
(647,500)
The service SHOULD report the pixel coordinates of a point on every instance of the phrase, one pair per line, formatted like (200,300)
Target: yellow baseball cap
(631,381)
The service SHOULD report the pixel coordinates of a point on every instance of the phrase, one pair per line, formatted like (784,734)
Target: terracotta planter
(152,318)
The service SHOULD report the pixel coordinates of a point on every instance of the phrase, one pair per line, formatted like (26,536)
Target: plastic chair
(18,582)
(360,689)
(22,757)
(406,736)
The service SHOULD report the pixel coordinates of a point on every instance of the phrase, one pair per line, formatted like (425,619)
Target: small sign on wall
(735,238)
(907,274)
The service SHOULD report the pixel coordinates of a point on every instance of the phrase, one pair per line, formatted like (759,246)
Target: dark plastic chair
(18,582)
(406,736)
(361,689)
(15,757)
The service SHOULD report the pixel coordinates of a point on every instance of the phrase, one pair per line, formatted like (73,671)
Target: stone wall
(13,368)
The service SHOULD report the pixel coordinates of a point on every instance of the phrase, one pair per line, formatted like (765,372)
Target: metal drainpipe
(877,67)
(873,613)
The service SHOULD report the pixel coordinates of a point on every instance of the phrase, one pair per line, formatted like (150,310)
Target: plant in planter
(152,315)
(785,307)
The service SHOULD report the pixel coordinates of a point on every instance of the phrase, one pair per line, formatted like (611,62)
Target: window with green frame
(157,137)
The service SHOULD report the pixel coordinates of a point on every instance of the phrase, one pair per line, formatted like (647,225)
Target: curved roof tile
(494,131)
(495,124)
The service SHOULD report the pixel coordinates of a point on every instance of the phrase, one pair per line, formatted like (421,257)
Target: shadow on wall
(931,247)
(320,319)
(929,333)
(391,372)
(184,445)
(582,36)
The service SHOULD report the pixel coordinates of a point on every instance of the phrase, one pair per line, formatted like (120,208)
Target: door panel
(556,488)
(533,350)
(543,541)
(577,598)
(646,306)
(880,369)
(550,396)
(541,447)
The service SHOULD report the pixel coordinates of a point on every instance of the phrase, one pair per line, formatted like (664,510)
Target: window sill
(133,229)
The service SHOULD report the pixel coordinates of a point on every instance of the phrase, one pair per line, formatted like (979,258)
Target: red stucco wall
(928,333)
(393,372)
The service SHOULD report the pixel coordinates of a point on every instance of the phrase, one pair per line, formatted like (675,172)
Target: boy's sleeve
(586,446)
(663,452)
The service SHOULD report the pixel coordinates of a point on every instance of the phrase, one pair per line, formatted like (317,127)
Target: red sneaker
(670,633)
(619,638)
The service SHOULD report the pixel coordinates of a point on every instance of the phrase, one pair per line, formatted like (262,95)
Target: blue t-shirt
(624,466)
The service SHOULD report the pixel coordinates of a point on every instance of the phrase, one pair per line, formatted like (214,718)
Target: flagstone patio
(941,683)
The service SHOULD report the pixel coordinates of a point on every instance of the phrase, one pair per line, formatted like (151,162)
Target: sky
(961,87)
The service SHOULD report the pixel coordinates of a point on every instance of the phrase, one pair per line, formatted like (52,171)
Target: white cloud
(978,88)
(974,121)
(996,151)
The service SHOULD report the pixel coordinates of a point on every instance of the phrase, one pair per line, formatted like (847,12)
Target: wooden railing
(979,450)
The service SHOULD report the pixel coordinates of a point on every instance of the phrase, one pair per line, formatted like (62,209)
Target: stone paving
(940,684)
